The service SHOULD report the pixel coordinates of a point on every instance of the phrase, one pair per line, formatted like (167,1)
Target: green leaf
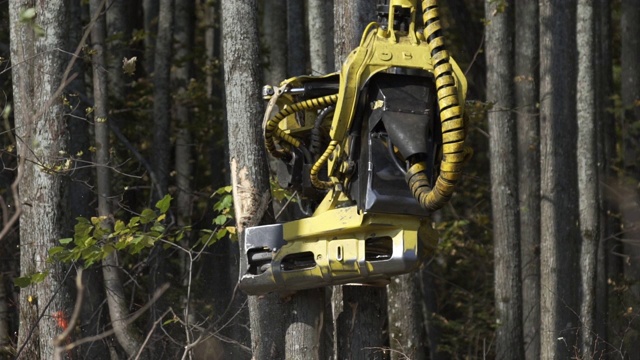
(28,14)
(220,220)
(163,205)
(22,282)
(119,226)
(39,277)
(65,241)
(55,250)
(147,216)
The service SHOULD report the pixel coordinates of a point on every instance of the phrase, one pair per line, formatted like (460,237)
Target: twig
(146,340)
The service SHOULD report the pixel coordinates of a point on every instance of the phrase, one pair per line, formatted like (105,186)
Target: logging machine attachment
(374,148)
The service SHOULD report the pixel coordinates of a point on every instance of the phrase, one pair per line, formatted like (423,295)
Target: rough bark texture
(362,323)
(319,20)
(350,17)
(37,73)
(407,336)
(305,328)
(249,173)
(119,33)
(587,172)
(296,50)
(504,181)
(528,129)
(275,30)
(559,238)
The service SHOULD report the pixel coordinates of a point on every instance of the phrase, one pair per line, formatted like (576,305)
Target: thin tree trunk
(607,155)
(274,31)
(587,172)
(504,181)
(559,238)
(304,332)
(119,32)
(151,10)
(296,51)
(249,173)
(528,129)
(38,68)
(80,196)
(126,334)
(184,18)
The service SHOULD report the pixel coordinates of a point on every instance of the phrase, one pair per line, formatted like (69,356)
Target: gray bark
(274,31)
(587,172)
(305,328)
(151,12)
(119,33)
(350,17)
(607,262)
(38,80)
(361,329)
(320,20)
(296,50)
(407,336)
(504,181)
(249,173)
(528,129)
(630,91)
(80,196)
(559,238)
(360,323)
(127,336)
(162,95)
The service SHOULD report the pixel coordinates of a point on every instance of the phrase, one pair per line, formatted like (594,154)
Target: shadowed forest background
(119,121)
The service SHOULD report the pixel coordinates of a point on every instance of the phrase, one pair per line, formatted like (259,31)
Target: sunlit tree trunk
(38,82)
(319,20)
(249,173)
(559,237)
(528,129)
(587,172)
(407,335)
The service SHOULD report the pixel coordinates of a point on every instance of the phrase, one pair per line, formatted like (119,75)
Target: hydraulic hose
(454,152)
(315,169)
(271,128)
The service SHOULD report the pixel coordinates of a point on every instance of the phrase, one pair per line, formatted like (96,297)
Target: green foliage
(25,281)
(97,237)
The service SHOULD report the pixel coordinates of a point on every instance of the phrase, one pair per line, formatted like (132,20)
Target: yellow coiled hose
(271,127)
(454,152)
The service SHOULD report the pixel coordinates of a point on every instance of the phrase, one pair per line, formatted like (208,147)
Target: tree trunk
(559,238)
(274,31)
(319,19)
(296,51)
(504,181)
(304,331)
(361,322)
(80,196)
(38,82)
(249,173)
(127,336)
(151,10)
(407,336)
(119,32)
(528,129)
(607,261)
(587,172)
